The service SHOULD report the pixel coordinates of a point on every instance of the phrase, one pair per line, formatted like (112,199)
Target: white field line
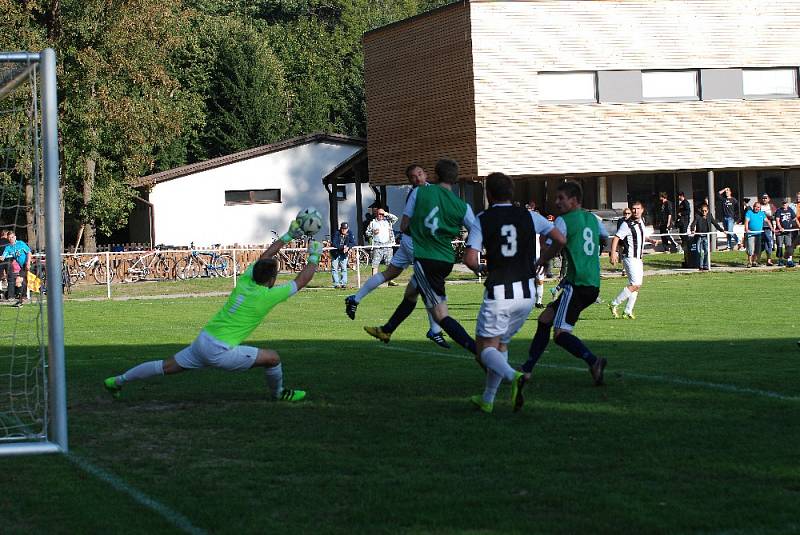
(173,517)
(645,376)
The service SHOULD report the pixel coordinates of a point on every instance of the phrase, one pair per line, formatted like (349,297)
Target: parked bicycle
(81,271)
(152,265)
(206,263)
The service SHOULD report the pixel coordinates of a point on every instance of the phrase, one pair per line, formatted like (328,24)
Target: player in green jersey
(581,285)
(218,344)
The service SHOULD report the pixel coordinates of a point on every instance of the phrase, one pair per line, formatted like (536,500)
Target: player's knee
(558,336)
(634,287)
(267,358)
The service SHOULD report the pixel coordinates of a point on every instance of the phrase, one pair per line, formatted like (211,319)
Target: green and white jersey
(583,232)
(436,219)
(246,307)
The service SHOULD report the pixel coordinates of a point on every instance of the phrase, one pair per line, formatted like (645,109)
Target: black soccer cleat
(350,306)
(438,339)
(597,371)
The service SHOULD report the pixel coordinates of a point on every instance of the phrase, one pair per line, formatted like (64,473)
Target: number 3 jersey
(584,233)
(509,235)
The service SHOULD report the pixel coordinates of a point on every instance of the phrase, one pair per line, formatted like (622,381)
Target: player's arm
(558,239)
(613,256)
(408,211)
(315,250)
(474,247)
(293,233)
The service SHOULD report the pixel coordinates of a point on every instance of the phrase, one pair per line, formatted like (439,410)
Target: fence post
(358,266)
(108,274)
(235,268)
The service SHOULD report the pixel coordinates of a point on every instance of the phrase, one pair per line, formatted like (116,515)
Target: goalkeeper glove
(314,252)
(293,233)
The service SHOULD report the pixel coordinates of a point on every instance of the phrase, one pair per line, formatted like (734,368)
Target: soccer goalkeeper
(218,344)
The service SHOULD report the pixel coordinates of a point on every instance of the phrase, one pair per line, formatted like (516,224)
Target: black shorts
(429,276)
(570,304)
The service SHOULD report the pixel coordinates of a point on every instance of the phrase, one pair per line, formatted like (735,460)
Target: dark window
(252,196)
(341,193)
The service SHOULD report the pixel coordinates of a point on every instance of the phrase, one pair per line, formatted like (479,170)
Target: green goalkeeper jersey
(583,233)
(246,307)
(437,219)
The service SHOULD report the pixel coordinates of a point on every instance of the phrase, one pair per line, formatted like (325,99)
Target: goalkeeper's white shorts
(208,352)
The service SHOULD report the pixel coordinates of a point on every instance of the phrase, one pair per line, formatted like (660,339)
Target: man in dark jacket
(730,214)
(341,241)
(684,216)
(702,227)
(666,215)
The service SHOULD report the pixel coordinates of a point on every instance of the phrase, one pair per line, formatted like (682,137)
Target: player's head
(499,188)
(416,175)
(569,196)
(637,209)
(447,171)
(265,271)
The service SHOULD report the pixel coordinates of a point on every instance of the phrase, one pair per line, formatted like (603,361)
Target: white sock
(492,384)
(539,290)
(434,327)
(372,283)
(274,378)
(495,361)
(145,370)
(623,295)
(631,302)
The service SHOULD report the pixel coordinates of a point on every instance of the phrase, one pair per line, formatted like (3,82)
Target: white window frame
(566,81)
(657,86)
(752,91)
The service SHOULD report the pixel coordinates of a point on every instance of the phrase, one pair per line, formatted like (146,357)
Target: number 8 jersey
(583,232)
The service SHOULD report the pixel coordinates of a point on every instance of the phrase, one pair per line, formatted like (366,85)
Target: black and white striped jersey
(632,233)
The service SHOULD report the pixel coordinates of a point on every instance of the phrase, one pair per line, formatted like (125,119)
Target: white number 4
(431,221)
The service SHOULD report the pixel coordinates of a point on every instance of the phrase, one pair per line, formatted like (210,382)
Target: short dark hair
(572,189)
(265,270)
(411,168)
(662,194)
(500,187)
(447,171)
(634,203)
(681,194)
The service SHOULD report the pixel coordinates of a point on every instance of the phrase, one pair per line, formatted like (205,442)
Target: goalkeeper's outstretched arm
(293,233)
(314,253)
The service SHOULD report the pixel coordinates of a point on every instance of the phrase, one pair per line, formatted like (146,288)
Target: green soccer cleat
(627,316)
(291,395)
(517,399)
(111,386)
(482,405)
(378,333)
(613,308)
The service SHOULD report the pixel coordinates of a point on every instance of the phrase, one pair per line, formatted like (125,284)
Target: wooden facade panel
(418,82)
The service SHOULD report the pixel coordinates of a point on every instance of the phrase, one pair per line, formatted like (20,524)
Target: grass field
(697,430)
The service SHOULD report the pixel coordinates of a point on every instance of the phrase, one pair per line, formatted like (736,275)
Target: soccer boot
(517,399)
(378,333)
(291,395)
(350,306)
(614,311)
(392,283)
(628,316)
(597,370)
(539,305)
(438,339)
(482,405)
(111,386)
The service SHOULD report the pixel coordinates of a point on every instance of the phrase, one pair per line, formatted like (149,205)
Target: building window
(341,193)
(669,85)
(769,83)
(567,87)
(252,196)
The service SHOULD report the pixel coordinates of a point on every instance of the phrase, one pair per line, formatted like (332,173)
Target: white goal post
(33,400)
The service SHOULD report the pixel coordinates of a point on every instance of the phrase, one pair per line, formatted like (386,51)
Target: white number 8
(588,242)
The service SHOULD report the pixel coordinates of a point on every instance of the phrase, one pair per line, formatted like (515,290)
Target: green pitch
(697,430)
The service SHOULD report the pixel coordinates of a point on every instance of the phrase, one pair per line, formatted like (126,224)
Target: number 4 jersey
(583,232)
(436,219)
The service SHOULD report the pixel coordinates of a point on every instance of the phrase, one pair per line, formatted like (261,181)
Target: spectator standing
(4,267)
(684,217)
(768,238)
(730,215)
(754,222)
(342,242)
(702,226)
(19,252)
(380,230)
(665,215)
(786,230)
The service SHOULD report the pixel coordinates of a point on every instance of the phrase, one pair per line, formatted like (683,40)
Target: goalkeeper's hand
(293,233)
(314,252)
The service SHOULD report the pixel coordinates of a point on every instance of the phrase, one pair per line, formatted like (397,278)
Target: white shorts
(403,256)
(502,317)
(634,267)
(208,352)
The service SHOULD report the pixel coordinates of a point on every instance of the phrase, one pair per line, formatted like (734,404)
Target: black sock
(455,331)
(403,310)
(572,343)
(538,345)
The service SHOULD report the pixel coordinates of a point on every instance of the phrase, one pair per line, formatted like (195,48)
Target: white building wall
(192,208)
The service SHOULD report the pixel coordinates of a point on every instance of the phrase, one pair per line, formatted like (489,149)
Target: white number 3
(509,232)
(588,242)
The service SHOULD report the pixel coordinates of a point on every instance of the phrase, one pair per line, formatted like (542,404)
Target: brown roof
(178,172)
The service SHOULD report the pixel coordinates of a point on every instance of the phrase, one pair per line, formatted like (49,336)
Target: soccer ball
(310,220)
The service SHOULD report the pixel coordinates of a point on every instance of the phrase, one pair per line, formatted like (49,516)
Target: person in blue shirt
(341,242)
(755,222)
(18,251)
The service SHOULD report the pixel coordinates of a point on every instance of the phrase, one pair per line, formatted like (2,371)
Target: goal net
(32,385)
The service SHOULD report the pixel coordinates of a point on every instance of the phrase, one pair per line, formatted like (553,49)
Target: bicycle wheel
(74,276)
(164,268)
(187,268)
(224,265)
(101,274)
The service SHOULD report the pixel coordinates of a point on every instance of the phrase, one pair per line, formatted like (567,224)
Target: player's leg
(539,289)
(403,310)
(395,268)
(542,337)
(577,298)
(453,329)
(273,373)
(186,359)
(635,278)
